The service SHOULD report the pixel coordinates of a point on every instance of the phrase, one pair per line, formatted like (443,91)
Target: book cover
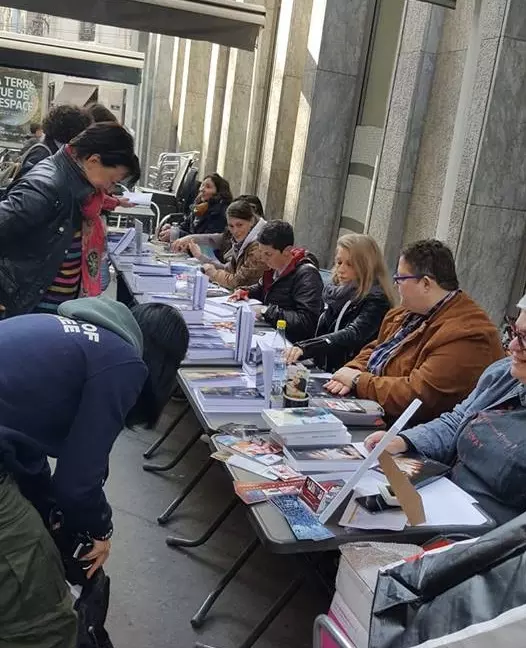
(263,451)
(317,494)
(343,453)
(240,430)
(297,417)
(255,492)
(213,376)
(419,469)
(220,393)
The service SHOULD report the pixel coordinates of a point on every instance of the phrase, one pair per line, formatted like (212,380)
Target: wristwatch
(354,383)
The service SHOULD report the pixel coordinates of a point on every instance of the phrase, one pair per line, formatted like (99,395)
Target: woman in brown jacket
(433,347)
(239,246)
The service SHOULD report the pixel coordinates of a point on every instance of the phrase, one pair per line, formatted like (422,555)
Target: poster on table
(20,103)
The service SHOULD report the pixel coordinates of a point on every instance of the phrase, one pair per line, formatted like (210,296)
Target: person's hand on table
(99,554)
(396,446)
(164,234)
(208,269)
(194,248)
(293,354)
(181,244)
(238,295)
(341,382)
(257,310)
(125,202)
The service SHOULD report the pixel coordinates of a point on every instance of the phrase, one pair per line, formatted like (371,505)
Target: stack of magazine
(229,398)
(189,301)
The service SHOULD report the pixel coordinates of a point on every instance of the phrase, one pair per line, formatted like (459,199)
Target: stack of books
(227,398)
(305,427)
(355,584)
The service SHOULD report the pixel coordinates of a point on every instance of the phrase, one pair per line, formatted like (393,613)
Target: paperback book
(419,469)
(256,492)
(344,458)
(302,420)
(265,452)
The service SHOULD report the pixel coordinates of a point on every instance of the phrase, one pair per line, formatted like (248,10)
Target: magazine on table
(419,469)
(213,377)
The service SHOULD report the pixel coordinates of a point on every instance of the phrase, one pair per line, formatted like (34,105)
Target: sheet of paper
(138,198)
(445,504)
(251,466)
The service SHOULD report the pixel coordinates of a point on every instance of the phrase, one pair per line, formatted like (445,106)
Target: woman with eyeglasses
(433,347)
(356,300)
(482,438)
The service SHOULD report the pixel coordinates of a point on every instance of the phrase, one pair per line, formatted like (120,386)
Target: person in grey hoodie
(243,264)
(70,383)
(483,438)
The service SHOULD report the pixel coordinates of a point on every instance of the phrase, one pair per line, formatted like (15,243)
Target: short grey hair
(522,303)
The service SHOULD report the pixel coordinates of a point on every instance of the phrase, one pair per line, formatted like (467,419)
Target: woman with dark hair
(60,125)
(243,265)
(51,233)
(208,213)
(99,113)
(255,203)
(91,370)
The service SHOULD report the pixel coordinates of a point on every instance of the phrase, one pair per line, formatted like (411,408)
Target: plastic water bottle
(279,371)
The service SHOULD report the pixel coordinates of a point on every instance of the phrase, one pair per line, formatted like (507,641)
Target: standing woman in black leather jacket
(356,300)
(51,234)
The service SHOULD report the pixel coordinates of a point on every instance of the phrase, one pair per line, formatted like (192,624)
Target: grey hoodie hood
(250,237)
(109,314)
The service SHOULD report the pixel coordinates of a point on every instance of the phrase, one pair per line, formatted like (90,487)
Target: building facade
(398,118)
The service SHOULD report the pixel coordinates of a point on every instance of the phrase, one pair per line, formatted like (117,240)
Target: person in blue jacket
(69,383)
(483,437)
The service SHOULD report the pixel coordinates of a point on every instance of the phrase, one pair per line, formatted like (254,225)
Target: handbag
(469,595)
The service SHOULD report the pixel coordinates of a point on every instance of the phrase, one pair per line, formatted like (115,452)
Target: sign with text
(20,103)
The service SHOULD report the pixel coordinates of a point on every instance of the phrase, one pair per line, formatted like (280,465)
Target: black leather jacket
(37,221)
(295,296)
(358,326)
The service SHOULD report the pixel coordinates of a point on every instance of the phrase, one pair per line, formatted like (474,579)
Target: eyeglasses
(513,332)
(397,279)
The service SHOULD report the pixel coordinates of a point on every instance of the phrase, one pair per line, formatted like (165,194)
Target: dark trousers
(36,609)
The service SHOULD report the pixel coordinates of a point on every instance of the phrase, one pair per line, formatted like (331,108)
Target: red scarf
(93,244)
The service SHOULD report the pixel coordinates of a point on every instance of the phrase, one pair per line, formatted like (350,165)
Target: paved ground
(156,590)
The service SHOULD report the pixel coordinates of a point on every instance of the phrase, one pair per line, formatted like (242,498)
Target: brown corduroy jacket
(439,363)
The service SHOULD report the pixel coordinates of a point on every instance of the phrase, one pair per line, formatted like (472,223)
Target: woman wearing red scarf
(51,231)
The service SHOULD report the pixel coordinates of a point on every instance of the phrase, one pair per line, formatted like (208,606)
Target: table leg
(276,608)
(168,466)
(148,454)
(199,617)
(173,541)
(164,517)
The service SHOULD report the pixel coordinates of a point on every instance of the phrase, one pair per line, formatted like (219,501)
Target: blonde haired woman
(356,300)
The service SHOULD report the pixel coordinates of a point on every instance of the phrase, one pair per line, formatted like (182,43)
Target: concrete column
(493,225)
(236,109)
(283,98)
(413,77)
(337,46)
(194,90)
(215,99)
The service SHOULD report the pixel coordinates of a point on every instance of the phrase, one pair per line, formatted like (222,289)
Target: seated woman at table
(207,215)
(356,300)
(482,438)
(243,264)
(433,347)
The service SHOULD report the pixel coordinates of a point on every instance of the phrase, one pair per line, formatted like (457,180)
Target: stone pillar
(283,98)
(337,45)
(194,89)
(234,125)
(215,99)
(493,225)
(413,77)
